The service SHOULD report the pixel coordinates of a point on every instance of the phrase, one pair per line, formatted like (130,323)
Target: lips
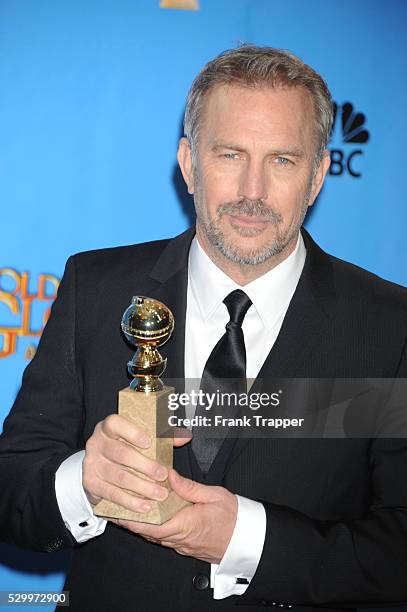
(248,221)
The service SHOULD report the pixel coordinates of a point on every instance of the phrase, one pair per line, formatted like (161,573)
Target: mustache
(251,208)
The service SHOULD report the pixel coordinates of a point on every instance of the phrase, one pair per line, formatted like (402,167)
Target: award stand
(148,324)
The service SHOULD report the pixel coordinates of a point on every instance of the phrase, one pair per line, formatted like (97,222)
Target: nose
(253,181)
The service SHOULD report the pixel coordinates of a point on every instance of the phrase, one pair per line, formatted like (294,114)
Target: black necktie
(225,371)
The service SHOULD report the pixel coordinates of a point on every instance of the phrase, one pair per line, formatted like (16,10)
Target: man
(274,522)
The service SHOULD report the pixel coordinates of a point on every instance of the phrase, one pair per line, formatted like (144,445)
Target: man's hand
(108,457)
(203,530)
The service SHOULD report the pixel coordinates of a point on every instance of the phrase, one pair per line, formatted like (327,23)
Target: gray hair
(252,66)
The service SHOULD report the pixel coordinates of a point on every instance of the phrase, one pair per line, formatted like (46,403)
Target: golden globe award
(147,324)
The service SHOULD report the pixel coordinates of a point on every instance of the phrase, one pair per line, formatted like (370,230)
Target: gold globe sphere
(147,324)
(147,321)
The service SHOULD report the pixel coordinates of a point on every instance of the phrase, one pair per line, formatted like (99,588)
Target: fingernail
(161,473)
(145,442)
(146,507)
(160,493)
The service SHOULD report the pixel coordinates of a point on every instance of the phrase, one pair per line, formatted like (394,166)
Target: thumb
(189,489)
(181,436)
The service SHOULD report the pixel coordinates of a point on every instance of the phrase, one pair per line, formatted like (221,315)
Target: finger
(125,455)
(116,426)
(168,544)
(149,539)
(190,490)
(183,552)
(123,498)
(172,530)
(176,528)
(123,478)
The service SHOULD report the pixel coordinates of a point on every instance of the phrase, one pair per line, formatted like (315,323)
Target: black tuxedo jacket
(336,508)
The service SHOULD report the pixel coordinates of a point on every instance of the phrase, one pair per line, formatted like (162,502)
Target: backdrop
(91,104)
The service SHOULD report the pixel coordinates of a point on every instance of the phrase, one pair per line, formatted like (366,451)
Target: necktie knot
(232,325)
(237,303)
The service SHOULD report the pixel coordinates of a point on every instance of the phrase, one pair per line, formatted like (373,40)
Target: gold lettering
(9,342)
(10,300)
(19,301)
(30,351)
(24,292)
(15,276)
(26,319)
(42,285)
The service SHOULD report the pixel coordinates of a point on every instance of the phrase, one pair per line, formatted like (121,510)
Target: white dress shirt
(206,317)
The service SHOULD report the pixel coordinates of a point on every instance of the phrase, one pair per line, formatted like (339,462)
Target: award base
(145,409)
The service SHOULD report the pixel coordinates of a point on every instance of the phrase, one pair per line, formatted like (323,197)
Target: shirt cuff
(73,503)
(239,564)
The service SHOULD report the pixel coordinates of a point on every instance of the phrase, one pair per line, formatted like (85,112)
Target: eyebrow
(292,152)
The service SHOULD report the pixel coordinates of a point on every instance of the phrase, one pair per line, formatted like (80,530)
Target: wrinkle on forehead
(222,101)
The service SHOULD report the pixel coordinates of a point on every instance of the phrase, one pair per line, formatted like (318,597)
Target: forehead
(261,112)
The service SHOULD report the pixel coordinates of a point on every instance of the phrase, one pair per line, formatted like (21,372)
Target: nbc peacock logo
(349,129)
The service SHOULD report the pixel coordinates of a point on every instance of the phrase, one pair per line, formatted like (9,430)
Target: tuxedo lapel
(171,274)
(307,315)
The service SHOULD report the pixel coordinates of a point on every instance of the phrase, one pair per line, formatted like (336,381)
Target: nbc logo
(349,129)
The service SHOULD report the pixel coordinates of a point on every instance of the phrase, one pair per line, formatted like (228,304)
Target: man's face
(253,176)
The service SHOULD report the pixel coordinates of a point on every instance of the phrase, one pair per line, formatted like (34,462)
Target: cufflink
(242,581)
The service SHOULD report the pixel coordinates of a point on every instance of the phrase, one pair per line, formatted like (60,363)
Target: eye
(282,161)
(230,155)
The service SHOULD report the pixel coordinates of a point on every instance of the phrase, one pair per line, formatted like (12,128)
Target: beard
(252,208)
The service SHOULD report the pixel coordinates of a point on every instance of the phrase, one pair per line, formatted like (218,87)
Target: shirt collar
(270,293)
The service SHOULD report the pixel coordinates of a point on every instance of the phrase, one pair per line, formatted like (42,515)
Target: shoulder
(368,316)
(371,316)
(359,286)
(109,276)
(349,286)
(97,286)
(119,260)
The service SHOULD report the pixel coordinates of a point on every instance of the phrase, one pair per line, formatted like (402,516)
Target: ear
(319,177)
(184,157)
